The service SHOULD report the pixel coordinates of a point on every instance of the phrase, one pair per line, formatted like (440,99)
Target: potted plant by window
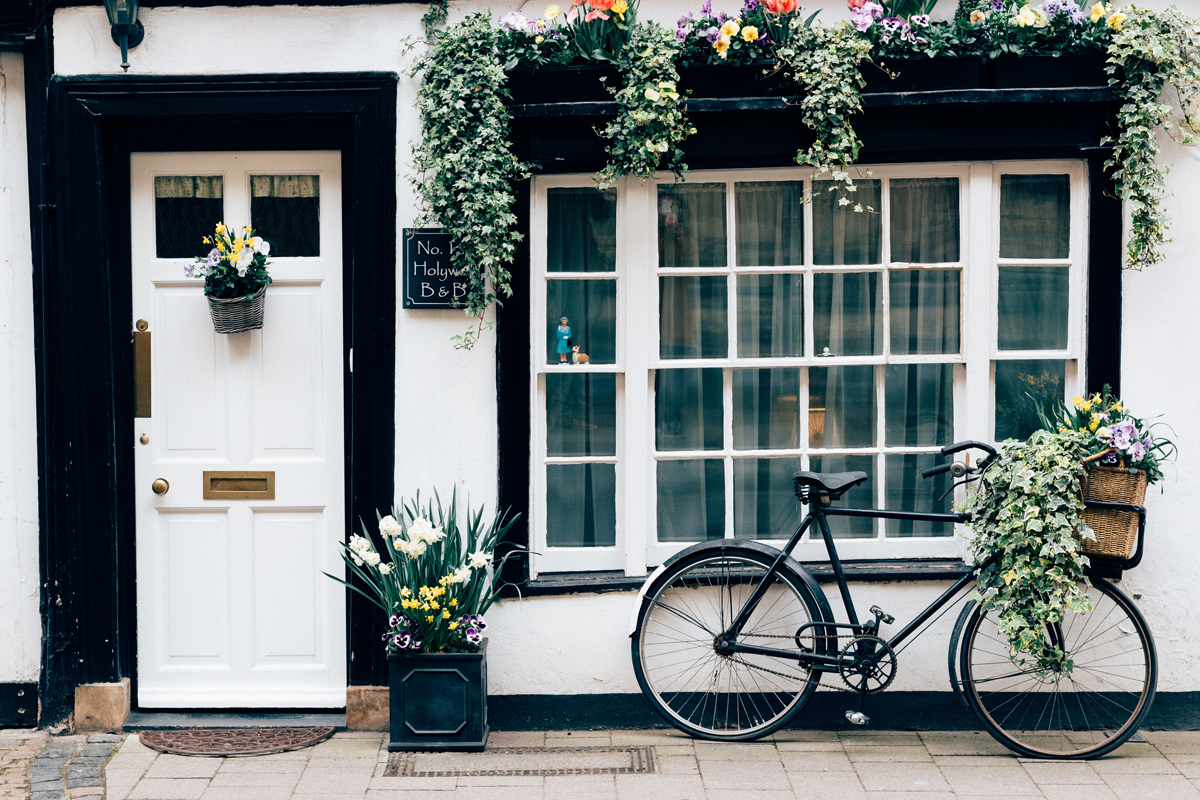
(435,580)
(235,279)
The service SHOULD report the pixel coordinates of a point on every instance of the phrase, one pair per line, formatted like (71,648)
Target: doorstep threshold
(177,720)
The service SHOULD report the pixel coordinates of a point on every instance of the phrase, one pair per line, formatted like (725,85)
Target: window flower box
(576,83)
(438,700)
(924,74)
(1048,72)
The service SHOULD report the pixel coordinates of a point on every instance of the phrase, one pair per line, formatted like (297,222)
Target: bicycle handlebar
(938,470)
(951,449)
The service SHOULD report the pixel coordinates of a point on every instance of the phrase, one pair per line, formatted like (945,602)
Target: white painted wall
(20,622)
(577,643)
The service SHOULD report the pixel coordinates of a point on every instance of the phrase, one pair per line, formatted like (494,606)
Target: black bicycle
(731,639)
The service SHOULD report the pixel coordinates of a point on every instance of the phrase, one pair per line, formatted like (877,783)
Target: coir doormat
(629,760)
(233,741)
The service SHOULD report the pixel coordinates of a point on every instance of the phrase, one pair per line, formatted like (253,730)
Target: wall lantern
(126,30)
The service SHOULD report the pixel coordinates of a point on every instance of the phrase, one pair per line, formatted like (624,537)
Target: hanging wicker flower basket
(239,313)
(1116,531)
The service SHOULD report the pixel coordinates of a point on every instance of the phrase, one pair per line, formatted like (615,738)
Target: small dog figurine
(578,357)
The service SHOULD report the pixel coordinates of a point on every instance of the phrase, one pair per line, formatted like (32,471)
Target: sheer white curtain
(1035,216)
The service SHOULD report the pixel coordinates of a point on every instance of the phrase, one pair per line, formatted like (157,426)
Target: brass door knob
(160,486)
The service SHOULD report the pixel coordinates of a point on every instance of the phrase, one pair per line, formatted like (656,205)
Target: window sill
(907,569)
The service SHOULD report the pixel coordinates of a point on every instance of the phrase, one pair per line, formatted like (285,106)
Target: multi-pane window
(745,334)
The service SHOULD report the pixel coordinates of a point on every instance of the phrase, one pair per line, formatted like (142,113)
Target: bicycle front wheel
(1082,712)
(696,688)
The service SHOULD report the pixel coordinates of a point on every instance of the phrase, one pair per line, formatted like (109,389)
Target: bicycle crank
(867,665)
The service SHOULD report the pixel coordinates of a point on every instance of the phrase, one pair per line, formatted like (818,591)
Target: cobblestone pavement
(17,749)
(797,765)
(69,766)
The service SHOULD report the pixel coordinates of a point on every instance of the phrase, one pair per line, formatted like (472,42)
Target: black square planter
(438,701)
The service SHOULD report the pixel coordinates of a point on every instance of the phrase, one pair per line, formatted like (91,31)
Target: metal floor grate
(628,760)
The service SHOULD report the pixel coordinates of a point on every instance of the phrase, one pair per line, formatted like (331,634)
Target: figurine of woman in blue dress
(564,340)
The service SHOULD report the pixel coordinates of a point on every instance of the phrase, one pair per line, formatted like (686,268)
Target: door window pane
(908,491)
(581,231)
(1021,386)
(842,235)
(692,317)
(770,223)
(691,225)
(770,310)
(691,500)
(581,507)
(1033,308)
(924,220)
(847,314)
(286,211)
(841,407)
(591,311)
(186,209)
(581,414)
(925,310)
(764,502)
(766,409)
(919,399)
(688,409)
(861,496)
(1035,216)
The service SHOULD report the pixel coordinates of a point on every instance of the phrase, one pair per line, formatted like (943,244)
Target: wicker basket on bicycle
(1116,531)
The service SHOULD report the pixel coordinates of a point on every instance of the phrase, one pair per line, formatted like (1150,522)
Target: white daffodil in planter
(437,582)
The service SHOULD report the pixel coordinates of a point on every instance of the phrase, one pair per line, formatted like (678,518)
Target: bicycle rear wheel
(700,691)
(1085,712)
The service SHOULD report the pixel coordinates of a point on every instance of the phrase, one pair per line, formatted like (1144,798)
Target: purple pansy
(706,9)
(712,34)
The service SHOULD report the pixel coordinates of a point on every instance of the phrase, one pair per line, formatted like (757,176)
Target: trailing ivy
(465,167)
(824,61)
(1149,51)
(1027,515)
(434,15)
(650,125)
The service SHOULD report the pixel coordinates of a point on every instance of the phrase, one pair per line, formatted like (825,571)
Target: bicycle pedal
(881,616)
(857,718)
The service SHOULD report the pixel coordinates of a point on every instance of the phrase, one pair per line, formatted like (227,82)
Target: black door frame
(82,131)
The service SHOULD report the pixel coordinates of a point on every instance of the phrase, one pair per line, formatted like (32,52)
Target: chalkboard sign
(429,279)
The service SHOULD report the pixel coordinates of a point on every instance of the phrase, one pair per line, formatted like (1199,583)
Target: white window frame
(637,351)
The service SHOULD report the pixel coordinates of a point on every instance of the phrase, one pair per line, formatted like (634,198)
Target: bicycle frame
(818,512)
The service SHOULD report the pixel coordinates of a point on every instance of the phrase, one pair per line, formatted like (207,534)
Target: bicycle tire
(689,696)
(1079,714)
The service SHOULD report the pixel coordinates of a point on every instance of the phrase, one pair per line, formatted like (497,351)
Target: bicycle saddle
(833,483)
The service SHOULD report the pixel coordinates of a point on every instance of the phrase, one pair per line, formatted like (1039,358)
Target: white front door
(233,611)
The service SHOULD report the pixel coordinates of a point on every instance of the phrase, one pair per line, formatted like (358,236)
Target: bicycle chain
(811,673)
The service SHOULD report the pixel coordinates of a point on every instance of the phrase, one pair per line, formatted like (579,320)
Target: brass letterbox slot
(239,485)
(141,370)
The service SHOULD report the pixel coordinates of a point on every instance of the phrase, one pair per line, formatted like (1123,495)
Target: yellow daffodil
(446,614)
(1115,20)
(722,46)
(552,12)
(452,626)
(1117,407)
(221,227)
(750,33)
(619,8)
(730,28)
(1099,12)
(1094,423)
(454,603)
(429,619)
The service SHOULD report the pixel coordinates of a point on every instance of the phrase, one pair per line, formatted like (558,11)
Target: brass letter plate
(141,372)
(239,485)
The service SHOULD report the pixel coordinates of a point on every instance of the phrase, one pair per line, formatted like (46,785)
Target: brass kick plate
(239,485)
